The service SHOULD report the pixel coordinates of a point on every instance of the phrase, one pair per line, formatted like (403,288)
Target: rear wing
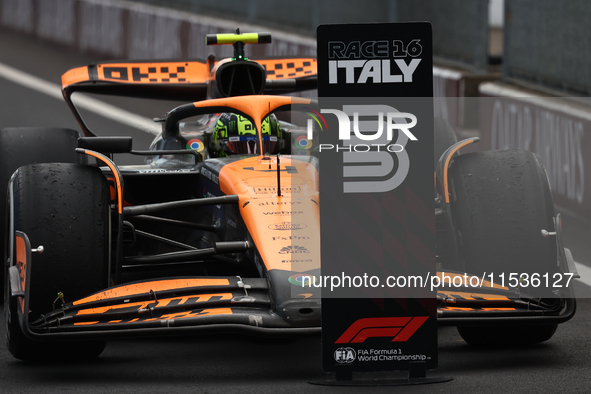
(178,80)
(168,80)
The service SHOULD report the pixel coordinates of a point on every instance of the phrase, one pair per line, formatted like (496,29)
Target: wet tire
(65,208)
(28,145)
(500,202)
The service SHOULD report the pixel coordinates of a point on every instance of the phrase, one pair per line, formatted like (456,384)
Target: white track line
(88,103)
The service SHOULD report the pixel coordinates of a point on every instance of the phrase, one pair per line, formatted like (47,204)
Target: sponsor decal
(196,144)
(209,194)
(302,142)
(162,170)
(297,261)
(172,73)
(287,226)
(273,190)
(209,175)
(232,223)
(281,203)
(301,279)
(290,238)
(293,249)
(400,329)
(283,213)
(344,355)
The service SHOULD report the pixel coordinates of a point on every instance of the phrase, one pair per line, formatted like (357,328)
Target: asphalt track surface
(228,364)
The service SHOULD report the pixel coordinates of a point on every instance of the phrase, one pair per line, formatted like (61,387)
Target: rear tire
(27,145)
(501,200)
(65,208)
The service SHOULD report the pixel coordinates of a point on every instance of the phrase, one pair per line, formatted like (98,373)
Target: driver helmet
(234,134)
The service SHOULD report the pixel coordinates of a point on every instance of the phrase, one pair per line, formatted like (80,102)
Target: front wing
(191,305)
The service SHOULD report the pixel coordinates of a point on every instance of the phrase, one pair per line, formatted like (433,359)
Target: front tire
(20,146)
(65,208)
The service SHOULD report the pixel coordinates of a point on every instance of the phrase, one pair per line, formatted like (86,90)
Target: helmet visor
(241,145)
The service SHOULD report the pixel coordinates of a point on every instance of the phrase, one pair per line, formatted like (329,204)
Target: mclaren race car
(200,238)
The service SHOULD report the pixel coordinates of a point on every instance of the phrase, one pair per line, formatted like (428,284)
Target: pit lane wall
(454,91)
(557,129)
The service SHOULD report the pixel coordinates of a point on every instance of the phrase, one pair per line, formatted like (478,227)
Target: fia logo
(344,355)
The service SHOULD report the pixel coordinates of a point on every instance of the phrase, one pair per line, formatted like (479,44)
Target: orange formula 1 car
(219,226)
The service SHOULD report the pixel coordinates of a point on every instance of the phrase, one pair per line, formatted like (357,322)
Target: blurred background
(540,42)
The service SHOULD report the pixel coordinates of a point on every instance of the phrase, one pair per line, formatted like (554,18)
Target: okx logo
(400,329)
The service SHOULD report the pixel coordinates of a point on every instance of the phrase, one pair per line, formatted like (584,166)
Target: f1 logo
(401,328)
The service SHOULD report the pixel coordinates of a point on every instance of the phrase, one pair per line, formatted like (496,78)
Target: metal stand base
(417,374)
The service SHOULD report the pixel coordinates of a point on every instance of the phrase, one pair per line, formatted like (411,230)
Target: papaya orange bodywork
(75,75)
(463,295)
(155,304)
(446,167)
(288,225)
(170,316)
(141,73)
(21,261)
(289,68)
(448,308)
(155,286)
(181,72)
